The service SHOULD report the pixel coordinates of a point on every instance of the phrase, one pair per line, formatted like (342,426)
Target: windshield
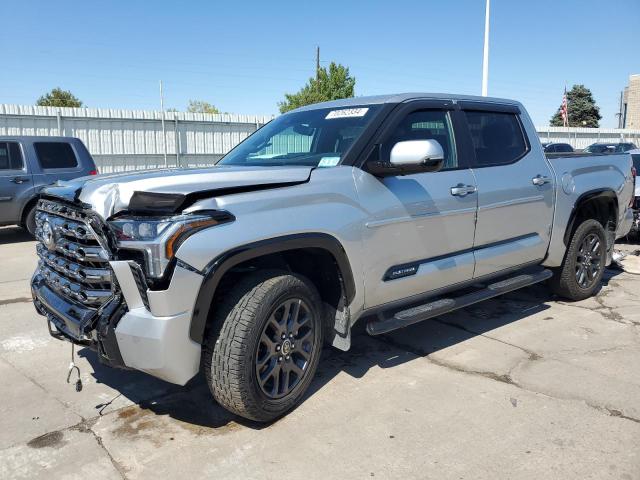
(313,138)
(636,161)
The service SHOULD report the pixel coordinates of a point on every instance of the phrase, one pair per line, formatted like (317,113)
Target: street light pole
(485,58)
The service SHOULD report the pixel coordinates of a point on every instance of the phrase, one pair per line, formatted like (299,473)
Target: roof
(399,98)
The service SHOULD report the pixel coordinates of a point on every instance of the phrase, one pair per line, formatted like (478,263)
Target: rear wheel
(262,356)
(581,271)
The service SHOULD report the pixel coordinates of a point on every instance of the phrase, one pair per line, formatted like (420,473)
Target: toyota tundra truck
(386,210)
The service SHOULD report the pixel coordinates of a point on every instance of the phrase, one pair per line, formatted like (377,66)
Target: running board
(404,318)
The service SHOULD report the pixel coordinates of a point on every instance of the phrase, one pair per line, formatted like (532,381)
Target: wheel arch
(216,270)
(600,204)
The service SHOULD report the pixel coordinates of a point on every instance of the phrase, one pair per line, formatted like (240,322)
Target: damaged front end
(74,286)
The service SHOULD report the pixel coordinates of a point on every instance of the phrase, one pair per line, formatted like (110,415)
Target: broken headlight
(160,237)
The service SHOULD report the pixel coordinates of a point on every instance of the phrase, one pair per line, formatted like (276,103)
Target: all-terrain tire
(565,279)
(234,341)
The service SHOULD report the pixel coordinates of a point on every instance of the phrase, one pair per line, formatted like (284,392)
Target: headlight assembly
(160,237)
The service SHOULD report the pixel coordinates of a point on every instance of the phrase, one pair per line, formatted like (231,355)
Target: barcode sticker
(328,162)
(347,113)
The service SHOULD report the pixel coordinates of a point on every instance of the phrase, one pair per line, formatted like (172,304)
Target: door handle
(540,180)
(20,180)
(461,190)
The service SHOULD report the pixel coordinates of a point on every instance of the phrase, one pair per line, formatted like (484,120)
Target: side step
(438,307)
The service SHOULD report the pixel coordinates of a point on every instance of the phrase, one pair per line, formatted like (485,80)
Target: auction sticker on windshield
(347,113)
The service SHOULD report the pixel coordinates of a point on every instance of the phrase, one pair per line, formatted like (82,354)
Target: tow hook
(72,367)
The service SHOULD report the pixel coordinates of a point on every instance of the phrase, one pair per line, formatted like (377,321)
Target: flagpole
(485,58)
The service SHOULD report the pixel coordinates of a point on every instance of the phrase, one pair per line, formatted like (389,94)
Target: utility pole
(317,63)
(485,58)
(619,114)
(164,132)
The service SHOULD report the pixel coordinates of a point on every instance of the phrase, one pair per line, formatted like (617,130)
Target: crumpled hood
(110,193)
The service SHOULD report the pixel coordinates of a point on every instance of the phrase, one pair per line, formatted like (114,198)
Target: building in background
(630,104)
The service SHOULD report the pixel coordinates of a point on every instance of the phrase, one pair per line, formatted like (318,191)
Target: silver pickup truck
(387,210)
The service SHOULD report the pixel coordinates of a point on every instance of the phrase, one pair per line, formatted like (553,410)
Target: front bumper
(146,330)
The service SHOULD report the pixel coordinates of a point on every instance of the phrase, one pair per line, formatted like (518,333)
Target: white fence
(132,139)
(129,140)
(580,138)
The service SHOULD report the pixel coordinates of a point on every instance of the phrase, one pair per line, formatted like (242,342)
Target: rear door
(16,183)
(419,234)
(515,188)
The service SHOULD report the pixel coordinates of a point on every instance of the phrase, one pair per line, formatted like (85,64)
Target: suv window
(55,155)
(10,156)
(427,125)
(497,137)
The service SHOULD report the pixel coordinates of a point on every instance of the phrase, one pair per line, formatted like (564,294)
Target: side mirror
(423,155)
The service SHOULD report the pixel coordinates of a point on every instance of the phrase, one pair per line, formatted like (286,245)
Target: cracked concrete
(523,386)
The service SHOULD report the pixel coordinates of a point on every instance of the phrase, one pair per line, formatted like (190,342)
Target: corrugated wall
(132,139)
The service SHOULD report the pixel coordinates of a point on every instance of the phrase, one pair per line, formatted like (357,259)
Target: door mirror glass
(418,155)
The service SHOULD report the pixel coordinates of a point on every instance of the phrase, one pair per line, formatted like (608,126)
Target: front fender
(217,268)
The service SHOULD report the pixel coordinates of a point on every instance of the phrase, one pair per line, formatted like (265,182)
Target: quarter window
(497,137)
(55,155)
(427,125)
(10,156)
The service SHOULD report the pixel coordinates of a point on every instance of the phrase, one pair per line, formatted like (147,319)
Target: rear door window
(55,155)
(498,137)
(10,156)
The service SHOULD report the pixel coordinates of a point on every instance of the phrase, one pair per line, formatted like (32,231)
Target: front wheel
(581,271)
(263,349)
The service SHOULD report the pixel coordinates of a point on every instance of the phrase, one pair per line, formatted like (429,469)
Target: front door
(15,182)
(420,227)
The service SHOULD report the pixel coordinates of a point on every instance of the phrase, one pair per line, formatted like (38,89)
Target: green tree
(581,107)
(200,106)
(330,84)
(59,98)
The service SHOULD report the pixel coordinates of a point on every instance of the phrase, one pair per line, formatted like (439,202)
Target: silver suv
(386,210)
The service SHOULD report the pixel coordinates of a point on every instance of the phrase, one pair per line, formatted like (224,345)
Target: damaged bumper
(137,328)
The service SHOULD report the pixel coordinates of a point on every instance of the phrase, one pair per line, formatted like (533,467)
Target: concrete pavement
(523,386)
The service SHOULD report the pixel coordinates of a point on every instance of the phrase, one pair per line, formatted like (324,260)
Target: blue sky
(243,56)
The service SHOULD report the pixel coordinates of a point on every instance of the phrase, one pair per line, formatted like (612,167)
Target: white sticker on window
(328,161)
(346,113)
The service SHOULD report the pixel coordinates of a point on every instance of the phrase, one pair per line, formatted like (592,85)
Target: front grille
(73,258)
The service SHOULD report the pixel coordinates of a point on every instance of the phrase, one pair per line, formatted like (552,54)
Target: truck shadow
(194,405)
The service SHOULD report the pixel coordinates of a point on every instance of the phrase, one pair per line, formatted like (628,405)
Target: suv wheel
(581,271)
(30,221)
(262,356)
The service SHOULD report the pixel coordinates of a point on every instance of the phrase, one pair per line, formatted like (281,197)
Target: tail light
(93,172)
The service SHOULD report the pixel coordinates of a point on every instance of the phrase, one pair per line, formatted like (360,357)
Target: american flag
(564,110)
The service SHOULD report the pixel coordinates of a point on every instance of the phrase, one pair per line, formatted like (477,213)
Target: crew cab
(386,210)
(27,164)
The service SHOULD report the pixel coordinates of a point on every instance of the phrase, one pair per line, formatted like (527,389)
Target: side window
(10,156)
(427,125)
(55,155)
(497,137)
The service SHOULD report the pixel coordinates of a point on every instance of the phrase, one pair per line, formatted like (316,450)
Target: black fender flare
(586,197)
(220,265)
